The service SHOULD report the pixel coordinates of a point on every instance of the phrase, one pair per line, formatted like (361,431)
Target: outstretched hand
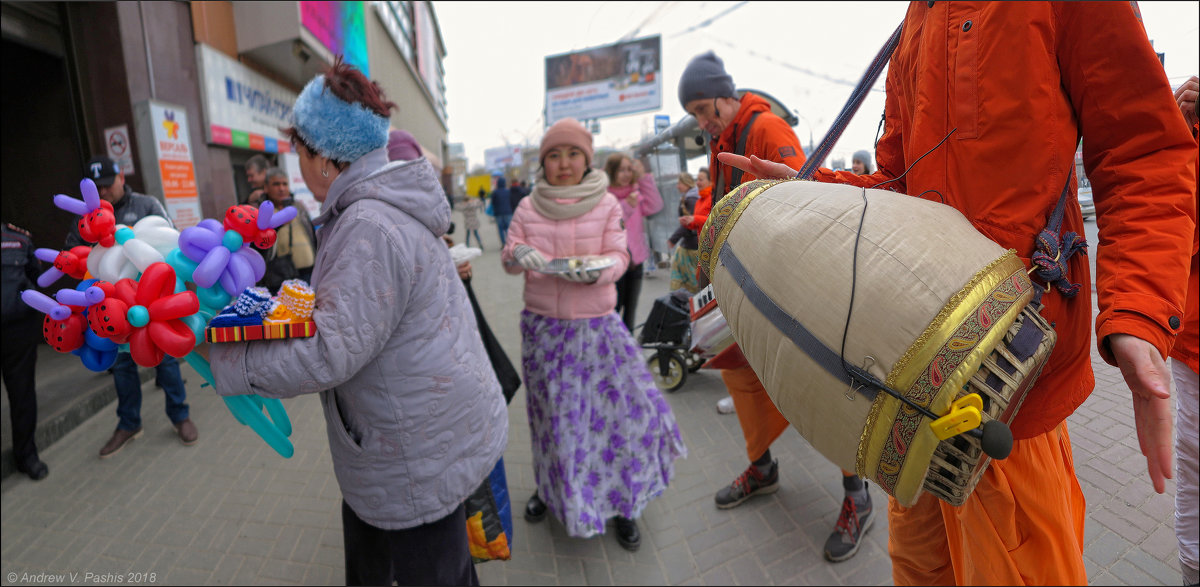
(1185,97)
(760,168)
(1145,373)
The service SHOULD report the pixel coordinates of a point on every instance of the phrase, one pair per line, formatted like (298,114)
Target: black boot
(34,467)
(627,534)
(535,509)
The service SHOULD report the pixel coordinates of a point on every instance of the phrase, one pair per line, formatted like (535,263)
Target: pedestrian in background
(639,198)
(604,438)
(256,178)
(22,332)
(129,207)
(686,256)
(860,164)
(470,211)
(502,209)
(395,338)
(295,242)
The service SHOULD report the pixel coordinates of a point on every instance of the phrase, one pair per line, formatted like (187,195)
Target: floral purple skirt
(604,438)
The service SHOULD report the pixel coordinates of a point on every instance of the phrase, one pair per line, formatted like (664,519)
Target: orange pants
(760,419)
(1023,524)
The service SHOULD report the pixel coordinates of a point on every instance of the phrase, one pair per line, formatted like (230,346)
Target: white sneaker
(725,406)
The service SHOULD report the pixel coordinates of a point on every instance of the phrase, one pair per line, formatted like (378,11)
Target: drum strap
(739,148)
(1053,248)
(788,325)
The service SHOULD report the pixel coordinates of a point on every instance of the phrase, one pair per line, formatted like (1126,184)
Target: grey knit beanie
(705,77)
(865,157)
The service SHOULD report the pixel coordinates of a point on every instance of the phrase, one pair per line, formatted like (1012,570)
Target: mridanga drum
(940,312)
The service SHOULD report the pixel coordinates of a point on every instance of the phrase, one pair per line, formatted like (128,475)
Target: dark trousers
(629,287)
(129,390)
(19,365)
(436,553)
(478,240)
(502,222)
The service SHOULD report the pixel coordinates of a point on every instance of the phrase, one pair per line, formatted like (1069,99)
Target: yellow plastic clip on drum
(943,318)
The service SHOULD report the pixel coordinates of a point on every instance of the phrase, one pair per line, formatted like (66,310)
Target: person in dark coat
(502,208)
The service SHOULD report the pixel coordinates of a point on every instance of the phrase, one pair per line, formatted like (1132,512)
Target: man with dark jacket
(129,207)
(22,330)
(502,208)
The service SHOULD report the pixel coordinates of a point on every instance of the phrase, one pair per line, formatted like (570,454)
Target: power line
(708,21)
(796,68)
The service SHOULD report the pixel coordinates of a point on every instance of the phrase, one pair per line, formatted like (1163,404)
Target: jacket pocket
(335,421)
(966,76)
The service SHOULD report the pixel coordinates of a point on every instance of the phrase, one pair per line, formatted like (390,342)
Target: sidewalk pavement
(229,510)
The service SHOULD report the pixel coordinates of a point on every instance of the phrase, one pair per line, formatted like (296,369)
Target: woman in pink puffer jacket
(604,438)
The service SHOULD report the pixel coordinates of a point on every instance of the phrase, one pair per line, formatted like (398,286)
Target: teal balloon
(138,316)
(123,234)
(179,286)
(196,323)
(232,241)
(182,265)
(213,297)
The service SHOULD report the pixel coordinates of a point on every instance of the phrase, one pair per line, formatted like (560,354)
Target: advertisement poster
(497,159)
(244,109)
(339,26)
(173,148)
(617,79)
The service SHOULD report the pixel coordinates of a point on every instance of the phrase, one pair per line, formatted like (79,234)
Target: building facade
(94,78)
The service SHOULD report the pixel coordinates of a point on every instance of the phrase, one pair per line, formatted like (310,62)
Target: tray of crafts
(565,264)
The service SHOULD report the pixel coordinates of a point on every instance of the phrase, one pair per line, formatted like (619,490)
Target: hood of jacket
(410,186)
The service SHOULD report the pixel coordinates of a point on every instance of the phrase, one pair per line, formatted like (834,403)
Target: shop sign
(172,148)
(244,109)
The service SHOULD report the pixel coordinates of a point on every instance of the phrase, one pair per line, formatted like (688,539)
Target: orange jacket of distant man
(1017,112)
(769,138)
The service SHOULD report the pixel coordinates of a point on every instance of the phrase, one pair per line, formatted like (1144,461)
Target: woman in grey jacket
(414,414)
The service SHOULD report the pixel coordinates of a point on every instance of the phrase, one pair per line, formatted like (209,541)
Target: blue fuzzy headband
(337,129)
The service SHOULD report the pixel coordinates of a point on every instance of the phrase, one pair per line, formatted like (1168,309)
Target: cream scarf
(584,196)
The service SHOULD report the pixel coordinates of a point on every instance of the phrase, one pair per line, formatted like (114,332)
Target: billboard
(497,159)
(612,80)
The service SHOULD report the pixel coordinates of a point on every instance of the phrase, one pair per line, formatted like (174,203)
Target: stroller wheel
(669,372)
(694,361)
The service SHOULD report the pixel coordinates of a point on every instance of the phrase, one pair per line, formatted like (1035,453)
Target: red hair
(349,84)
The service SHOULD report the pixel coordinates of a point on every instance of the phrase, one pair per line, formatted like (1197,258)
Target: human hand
(464,270)
(686,221)
(761,168)
(1145,373)
(1185,97)
(580,275)
(202,349)
(528,257)
(632,198)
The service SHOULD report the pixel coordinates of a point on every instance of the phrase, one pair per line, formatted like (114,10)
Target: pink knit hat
(402,146)
(570,132)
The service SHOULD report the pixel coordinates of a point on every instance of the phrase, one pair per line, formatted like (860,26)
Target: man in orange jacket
(1010,88)
(746,125)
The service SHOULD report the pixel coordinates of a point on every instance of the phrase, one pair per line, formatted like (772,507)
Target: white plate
(563,264)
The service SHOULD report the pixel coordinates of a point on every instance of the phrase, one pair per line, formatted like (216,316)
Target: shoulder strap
(740,149)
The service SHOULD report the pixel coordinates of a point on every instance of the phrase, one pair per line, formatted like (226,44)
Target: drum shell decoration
(933,298)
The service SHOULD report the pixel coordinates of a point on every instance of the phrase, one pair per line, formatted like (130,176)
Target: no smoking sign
(116,142)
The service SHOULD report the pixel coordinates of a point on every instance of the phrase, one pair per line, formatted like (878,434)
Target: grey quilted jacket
(414,413)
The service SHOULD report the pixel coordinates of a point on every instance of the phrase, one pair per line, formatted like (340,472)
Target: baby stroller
(667,332)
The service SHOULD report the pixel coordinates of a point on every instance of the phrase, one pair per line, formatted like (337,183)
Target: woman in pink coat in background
(639,198)
(604,438)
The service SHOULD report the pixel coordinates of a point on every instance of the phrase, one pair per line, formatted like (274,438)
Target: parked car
(1085,202)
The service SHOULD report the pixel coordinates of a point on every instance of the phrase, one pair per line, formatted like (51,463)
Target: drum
(939,312)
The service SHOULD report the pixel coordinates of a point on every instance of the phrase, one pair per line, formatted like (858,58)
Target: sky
(809,55)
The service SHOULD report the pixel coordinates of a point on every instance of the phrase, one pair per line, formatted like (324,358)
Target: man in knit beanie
(746,126)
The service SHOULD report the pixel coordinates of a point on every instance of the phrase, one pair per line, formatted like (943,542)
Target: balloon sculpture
(134,296)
